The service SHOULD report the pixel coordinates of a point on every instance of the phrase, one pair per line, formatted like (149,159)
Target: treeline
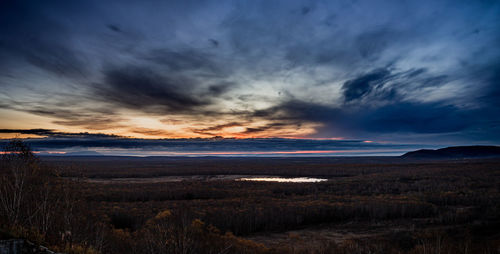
(112,167)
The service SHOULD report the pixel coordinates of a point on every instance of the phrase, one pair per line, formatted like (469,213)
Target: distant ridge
(456,152)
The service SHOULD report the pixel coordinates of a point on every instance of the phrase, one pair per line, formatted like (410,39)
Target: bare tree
(18,167)
(26,191)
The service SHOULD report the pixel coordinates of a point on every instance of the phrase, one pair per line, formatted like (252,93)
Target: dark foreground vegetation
(369,205)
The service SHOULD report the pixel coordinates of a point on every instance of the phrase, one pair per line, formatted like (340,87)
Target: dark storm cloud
(215,129)
(402,117)
(251,130)
(93,122)
(220,127)
(28,131)
(295,110)
(218,89)
(190,82)
(95,119)
(69,112)
(141,88)
(358,87)
(57,134)
(387,86)
(151,132)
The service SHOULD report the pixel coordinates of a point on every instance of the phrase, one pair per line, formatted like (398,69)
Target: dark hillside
(456,152)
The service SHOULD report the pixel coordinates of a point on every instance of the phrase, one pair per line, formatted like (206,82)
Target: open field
(368,205)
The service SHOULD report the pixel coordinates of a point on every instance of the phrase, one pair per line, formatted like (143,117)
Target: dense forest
(375,205)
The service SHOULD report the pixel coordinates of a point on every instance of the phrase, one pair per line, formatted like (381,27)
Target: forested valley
(386,206)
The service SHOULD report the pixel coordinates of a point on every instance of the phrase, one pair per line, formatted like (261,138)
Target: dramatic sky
(385,71)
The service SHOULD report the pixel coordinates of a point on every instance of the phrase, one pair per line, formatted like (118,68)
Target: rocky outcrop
(22,246)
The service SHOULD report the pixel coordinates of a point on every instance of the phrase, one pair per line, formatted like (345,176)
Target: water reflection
(283,179)
(203,178)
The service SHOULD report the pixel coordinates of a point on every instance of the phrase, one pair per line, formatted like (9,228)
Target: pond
(204,178)
(283,179)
